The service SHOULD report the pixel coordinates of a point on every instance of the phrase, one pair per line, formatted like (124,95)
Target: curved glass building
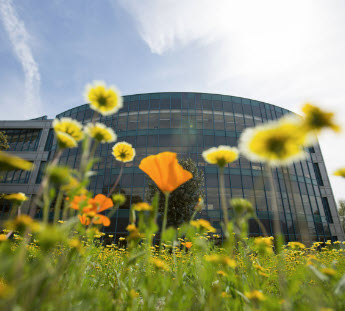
(189,123)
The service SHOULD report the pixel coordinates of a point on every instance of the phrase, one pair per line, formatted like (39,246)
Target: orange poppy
(188,244)
(97,219)
(95,205)
(76,201)
(165,171)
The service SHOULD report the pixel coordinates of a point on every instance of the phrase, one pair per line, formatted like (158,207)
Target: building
(188,123)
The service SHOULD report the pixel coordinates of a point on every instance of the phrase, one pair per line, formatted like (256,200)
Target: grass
(66,267)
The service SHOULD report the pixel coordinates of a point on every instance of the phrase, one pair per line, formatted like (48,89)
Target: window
(40,172)
(327,210)
(15,177)
(235,181)
(153,120)
(23,139)
(318,174)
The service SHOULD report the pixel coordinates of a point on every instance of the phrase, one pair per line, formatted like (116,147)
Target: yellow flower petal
(105,100)
(123,152)
(100,132)
(221,155)
(9,162)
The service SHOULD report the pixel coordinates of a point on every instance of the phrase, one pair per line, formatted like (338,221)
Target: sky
(284,53)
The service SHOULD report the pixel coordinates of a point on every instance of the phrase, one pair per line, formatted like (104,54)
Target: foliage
(3,142)
(183,200)
(65,267)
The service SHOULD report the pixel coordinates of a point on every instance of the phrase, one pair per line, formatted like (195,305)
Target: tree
(341,212)
(3,142)
(183,200)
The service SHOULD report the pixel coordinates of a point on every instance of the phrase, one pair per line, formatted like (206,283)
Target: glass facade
(23,139)
(15,177)
(188,124)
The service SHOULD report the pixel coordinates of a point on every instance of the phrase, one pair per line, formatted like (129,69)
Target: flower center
(102,100)
(276,145)
(123,154)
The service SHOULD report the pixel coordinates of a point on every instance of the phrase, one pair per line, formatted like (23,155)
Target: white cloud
(20,40)
(280,52)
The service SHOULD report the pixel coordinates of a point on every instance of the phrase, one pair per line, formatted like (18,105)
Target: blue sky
(280,52)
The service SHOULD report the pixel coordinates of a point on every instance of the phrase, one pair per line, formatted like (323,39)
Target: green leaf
(169,234)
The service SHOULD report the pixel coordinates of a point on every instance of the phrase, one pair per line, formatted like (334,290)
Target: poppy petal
(103,202)
(101,219)
(84,220)
(165,171)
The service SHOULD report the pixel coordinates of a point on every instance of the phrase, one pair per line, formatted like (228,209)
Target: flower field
(74,272)
(65,262)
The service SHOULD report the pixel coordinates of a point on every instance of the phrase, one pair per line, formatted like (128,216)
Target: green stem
(193,215)
(44,185)
(276,224)
(46,205)
(93,149)
(57,207)
(84,156)
(165,216)
(223,201)
(116,182)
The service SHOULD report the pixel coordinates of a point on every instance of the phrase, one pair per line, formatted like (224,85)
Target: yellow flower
(16,197)
(165,171)
(159,264)
(316,119)
(122,239)
(68,132)
(3,237)
(142,207)
(123,152)
(340,172)
(59,175)
(131,228)
(277,142)
(329,271)
(259,267)
(221,155)
(296,245)
(105,100)
(255,295)
(241,206)
(221,259)
(22,222)
(222,273)
(264,245)
(72,185)
(65,140)
(6,290)
(200,205)
(225,295)
(9,162)
(202,224)
(75,243)
(119,199)
(133,293)
(263,274)
(100,132)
